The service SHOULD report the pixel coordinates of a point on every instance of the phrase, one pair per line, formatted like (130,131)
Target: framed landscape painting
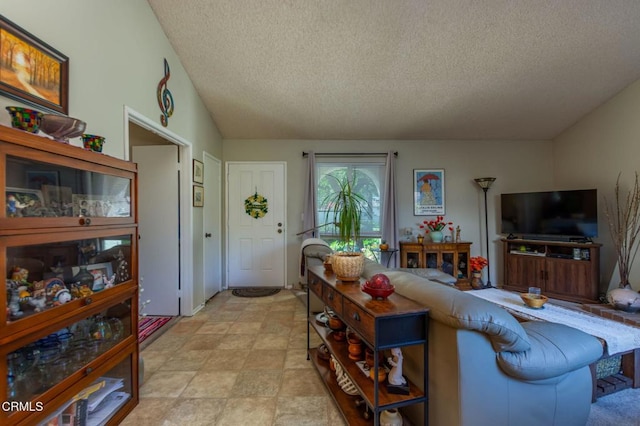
(428,192)
(32,71)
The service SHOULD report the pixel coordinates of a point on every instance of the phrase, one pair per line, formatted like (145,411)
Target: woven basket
(348,266)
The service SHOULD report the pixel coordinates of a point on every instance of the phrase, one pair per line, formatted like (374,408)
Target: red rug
(149,325)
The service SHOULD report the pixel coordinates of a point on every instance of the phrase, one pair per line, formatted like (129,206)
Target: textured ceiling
(403,69)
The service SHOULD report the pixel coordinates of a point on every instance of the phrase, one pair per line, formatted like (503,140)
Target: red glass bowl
(378,293)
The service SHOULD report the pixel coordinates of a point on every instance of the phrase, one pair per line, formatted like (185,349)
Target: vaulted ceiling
(403,69)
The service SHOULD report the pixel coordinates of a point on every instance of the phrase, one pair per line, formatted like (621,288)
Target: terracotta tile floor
(239,361)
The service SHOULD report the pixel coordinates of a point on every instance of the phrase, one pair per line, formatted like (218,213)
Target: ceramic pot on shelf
(390,417)
(436,236)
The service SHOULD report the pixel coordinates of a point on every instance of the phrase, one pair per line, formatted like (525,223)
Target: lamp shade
(485,182)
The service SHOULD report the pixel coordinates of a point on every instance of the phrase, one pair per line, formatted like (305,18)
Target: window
(369,178)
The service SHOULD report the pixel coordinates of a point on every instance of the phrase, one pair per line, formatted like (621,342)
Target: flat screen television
(551,214)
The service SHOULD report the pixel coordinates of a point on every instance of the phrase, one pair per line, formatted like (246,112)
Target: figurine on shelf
(396,382)
(458,234)
(13,204)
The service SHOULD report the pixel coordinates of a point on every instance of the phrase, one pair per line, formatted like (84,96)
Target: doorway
(212,245)
(139,129)
(256,215)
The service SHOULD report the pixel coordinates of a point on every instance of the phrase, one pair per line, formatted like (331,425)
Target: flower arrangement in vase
(434,228)
(477,264)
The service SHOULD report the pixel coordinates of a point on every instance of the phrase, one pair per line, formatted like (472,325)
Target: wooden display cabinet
(381,325)
(68,246)
(451,258)
(554,267)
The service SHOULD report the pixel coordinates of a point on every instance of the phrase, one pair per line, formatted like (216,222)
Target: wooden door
(524,271)
(566,277)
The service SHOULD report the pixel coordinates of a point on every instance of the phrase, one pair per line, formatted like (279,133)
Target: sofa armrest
(556,349)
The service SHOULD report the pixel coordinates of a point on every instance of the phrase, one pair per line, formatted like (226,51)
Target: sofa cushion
(431,274)
(556,349)
(459,310)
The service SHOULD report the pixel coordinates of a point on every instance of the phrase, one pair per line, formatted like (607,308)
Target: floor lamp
(485,183)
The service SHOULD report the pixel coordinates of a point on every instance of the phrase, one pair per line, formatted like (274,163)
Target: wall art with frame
(198,171)
(428,192)
(198,196)
(32,71)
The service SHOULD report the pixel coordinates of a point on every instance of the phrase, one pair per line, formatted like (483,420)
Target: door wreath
(256,206)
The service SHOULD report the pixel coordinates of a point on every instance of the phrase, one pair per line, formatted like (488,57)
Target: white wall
(517,165)
(592,153)
(116,50)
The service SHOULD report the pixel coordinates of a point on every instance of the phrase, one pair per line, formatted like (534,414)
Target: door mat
(149,325)
(255,292)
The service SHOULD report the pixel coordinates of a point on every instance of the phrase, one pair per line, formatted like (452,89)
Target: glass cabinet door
(463,265)
(46,190)
(60,275)
(431,260)
(41,364)
(448,263)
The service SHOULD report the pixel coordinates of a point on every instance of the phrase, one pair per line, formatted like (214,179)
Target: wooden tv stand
(551,266)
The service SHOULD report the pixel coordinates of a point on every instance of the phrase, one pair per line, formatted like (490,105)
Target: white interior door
(256,246)
(159,224)
(212,253)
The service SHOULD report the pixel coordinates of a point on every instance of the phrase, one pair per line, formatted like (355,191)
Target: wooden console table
(450,258)
(381,325)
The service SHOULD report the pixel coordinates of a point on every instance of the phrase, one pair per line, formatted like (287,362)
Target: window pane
(368,183)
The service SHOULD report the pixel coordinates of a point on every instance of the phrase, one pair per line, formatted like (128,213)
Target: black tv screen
(551,213)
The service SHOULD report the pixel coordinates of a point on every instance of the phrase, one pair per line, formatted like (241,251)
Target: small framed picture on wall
(428,192)
(198,196)
(198,171)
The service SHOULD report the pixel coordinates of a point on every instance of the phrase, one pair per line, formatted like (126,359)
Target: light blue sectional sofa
(487,369)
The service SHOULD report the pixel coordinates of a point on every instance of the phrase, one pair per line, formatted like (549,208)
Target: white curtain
(390,206)
(309,213)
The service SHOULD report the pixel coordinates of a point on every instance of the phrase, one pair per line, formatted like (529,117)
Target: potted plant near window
(345,208)
(623,216)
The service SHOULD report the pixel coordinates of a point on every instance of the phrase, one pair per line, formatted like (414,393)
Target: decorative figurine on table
(458,234)
(396,382)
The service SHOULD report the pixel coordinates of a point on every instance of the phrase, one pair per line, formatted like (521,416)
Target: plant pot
(436,236)
(624,299)
(348,266)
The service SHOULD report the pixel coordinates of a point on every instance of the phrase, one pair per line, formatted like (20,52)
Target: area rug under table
(149,325)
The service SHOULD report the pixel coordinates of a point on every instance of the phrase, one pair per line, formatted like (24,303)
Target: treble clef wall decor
(165,99)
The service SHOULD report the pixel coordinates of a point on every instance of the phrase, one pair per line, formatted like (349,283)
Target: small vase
(390,418)
(436,236)
(476,280)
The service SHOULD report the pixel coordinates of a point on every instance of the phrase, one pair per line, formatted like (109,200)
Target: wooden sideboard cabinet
(68,246)
(451,258)
(562,270)
(381,325)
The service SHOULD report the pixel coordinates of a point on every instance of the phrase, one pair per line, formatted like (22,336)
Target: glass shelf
(43,363)
(47,275)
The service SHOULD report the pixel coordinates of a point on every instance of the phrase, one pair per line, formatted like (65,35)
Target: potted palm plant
(623,216)
(346,208)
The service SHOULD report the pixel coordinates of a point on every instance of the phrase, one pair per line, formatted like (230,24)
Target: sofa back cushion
(459,310)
